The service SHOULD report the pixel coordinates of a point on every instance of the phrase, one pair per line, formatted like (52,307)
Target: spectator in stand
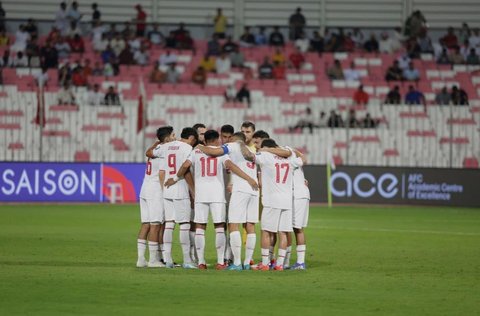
(180,33)
(31,28)
(2,18)
(415,24)
(465,49)
(220,24)
(474,39)
(385,45)
(229,46)
(296,59)
(450,39)
(443,97)
(95,96)
(358,38)
(127,30)
(351,74)
(49,56)
(223,64)
(316,43)
(78,78)
(334,120)
(335,72)
(465,32)
(64,74)
(404,61)
(187,43)
(265,71)
(261,37)
(411,74)
(126,57)
(213,46)
(141,56)
(21,39)
(140,20)
(61,19)
(237,58)
(4,40)
(278,70)
(77,45)
(371,45)
(99,38)
(155,36)
(352,119)
(87,69)
(425,44)
(360,97)
(348,44)
(393,96)
(444,59)
(73,14)
(247,39)
(278,56)
(456,57)
(302,43)
(107,54)
(134,43)
(53,35)
(97,69)
(20,60)
(305,121)
(6,60)
(170,41)
(208,63)
(111,97)
(459,96)
(108,69)
(414,97)
(65,95)
(73,30)
(297,24)
(244,94)
(156,75)
(112,31)
(118,44)
(472,58)
(368,122)
(199,76)
(42,78)
(33,54)
(335,43)
(96,14)
(413,48)
(168,58)
(230,94)
(322,121)
(173,76)
(276,37)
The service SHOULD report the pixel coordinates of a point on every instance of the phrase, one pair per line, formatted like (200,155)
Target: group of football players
(223,174)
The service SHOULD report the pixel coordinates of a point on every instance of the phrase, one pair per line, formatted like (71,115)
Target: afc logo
(364,185)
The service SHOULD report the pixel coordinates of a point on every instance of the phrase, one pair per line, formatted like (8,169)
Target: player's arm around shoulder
(246,153)
(281,152)
(213,151)
(235,169)
(180,174)
(153,151)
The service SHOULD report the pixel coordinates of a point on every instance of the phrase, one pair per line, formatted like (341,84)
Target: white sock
(193,251)
(281,256)
(271,253)
(250,247)
(301,253)
(153,251)
(287,257)
(167,242)
(141,247)
(185,242)
(160,252)
(236,244)
(265,256)
(200,245)
(220,244)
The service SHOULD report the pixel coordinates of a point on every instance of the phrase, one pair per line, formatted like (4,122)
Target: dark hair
(210,135)
(240,135)
(227,129)
(163,132)
(269,143)
(198,125)
(248,124)
(261,134)
(187,132)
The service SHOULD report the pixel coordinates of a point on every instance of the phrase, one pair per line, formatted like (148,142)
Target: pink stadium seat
(365,139)
(156,122)
(16,146)
(119,144)
(11,113)
(111,115)
(420,133)
(10,126)
(391,153)
(82,156)
(455,140)
(470,162)
(96,128)
(461,121)
(49,133)
(63,108)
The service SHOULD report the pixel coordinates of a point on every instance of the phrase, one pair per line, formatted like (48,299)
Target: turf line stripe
(386,230)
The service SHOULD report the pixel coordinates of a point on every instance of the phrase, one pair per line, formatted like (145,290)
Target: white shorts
(152,210)
(300,213)
(178,210)
(276,220)
(217,209)
(243,208)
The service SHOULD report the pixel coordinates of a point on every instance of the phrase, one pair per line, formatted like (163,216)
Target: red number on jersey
(279,167)
(209,165)
(172,163)
(149,167)
(251,165)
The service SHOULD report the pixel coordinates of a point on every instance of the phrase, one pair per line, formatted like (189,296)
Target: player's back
(151,181)
(209,177)
(176,153)
(300,189)
(250,168)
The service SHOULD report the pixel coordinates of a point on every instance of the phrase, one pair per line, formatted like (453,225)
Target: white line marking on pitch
(398,231)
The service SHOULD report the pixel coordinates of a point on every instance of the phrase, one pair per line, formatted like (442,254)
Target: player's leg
(168,232)
(269,222)
(218,216)
(237,215)
(142,234)
(251,238)
(284,227)
(157,216)
(201,219)
(161,230)
(286,264)
(271,248)
(299,223)
(182,216)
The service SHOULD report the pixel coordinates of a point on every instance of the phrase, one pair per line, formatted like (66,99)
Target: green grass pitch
(80,259)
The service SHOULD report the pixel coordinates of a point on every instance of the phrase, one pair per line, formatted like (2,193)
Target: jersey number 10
(209,165)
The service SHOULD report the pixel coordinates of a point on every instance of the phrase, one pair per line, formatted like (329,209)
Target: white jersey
(250,168)
(300,189)
(175,154)
(151,182)
(277,180)
(209,178)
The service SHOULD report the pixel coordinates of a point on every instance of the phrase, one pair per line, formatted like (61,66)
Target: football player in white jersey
(209,197)
(177,197)
(244,203)
(226,133)
(151,205)
(277,199)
